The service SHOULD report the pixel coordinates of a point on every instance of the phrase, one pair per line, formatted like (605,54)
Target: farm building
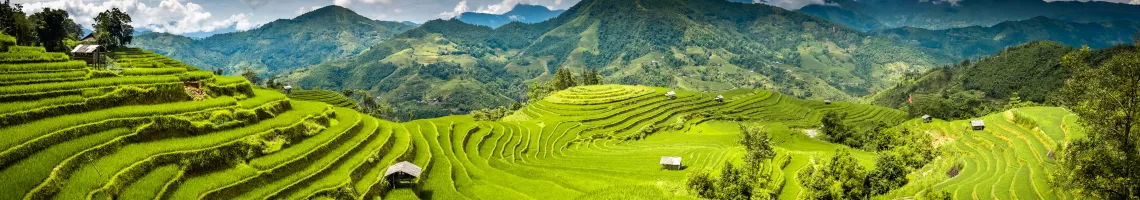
(927,119)
(671,94)
(288,89)
(720,98)
(828,102)
(89,38)
(93,54)
(671,162)
(403,171)
(978,125)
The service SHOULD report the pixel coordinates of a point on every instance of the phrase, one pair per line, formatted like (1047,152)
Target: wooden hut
(827,102)
(978,125)
(671,95)
(91,53)
(927,119)
(288,89)
(402,172)
(671,162)
(720,98)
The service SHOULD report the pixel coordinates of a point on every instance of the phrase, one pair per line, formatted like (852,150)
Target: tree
(734,184)
(757,144)
(841,178)
(250,75)
(700,183)
(14,22)
(1107,99)
(113,28)
(563,79)
(890,173)
(538,90)
(51,27)
(591,77)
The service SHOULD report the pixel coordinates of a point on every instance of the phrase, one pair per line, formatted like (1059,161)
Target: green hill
(977,41)
(328,33)
(1030,72)
(658,43)
(956,14)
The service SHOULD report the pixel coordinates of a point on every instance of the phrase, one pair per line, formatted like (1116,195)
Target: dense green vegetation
(977,87)
(955,14)
(978,41)
(658,43)
(321,35)
(521,13)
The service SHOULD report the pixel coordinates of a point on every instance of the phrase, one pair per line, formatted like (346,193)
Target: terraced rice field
(327,96)
(74,132)
(1004,161)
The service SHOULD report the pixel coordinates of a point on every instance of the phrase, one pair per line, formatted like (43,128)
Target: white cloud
(506,6)
(303,9)
(459,9)
(342,2)
(171,16)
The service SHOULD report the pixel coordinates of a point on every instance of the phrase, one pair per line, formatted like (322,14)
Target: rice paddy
(76,132)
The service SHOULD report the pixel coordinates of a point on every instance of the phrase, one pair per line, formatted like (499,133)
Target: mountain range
(522,13)
(665,43)
(321,35)
(979,41)
(939,14)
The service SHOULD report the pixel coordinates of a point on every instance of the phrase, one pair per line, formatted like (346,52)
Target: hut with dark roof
(402,172)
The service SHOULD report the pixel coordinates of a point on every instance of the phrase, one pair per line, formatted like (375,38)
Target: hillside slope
(328,33)
(977,41)
(702,45)
(955,14)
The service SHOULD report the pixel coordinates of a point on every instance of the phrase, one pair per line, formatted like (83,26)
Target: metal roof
(85,48)
(406,167)
(719,96)
(977,123)
(925,116)
(670,160)
(670,93)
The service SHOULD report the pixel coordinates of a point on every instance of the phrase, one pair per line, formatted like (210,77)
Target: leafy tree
(538,90)
(735,183)
(757,144)
(14,22)
(702,184)
(890,173)
(1107,99)
(840,178)
(591,77)
(250,75)
(113,28)
(52,28)
(563,79)
(936,195)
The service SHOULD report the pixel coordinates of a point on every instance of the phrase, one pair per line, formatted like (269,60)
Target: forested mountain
(939,14)
(706,45)
(1027,72)
(977,41)
(324,34)
(522,13)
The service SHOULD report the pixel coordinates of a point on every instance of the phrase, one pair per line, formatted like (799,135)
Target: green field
(75,132)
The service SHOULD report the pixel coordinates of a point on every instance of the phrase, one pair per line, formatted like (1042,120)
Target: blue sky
(188,17)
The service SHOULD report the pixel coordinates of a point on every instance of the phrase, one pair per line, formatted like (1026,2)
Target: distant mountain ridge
(706,45)
(321,35)
(521,13)
(964,13)
(978,41)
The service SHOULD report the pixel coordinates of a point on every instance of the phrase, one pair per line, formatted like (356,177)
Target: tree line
(57,32)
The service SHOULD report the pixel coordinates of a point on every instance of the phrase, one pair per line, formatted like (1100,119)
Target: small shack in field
(671,95)
(288,89)
(671,162)
(720,98)
(91,53)
(978,125)
(827,102)
(401,172)
(927,119)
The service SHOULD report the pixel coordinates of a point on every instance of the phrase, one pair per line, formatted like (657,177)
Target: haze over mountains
(876,14)
(521,13)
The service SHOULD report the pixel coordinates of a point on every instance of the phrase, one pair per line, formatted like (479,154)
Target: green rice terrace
(155,128)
